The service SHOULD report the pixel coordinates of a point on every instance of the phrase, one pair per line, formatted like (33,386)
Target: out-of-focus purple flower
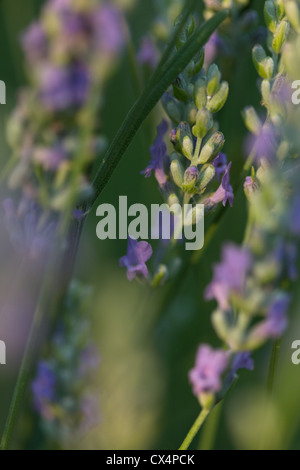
(242,360)
(229,275)
(78,214)
(135,260)
(147,54)
(294,217)
(64,88)
(34,42)
(276,321)
(89,361)
(49,158)
(43,390)
(206,376)
(109,29)
(27,235)
(263,145)
(224,193)
(220,164)
(282,90)
(286,254)
(211,49)
(159,156)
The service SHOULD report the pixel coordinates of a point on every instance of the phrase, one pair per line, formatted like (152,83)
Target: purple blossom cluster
(70,53)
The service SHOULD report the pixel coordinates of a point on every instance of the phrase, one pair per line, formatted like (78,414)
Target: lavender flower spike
(135,260)
(205,377)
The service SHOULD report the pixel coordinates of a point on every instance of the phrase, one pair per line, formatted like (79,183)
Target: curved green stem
(195,428)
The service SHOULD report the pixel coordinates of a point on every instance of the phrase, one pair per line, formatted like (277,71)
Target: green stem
(195,428)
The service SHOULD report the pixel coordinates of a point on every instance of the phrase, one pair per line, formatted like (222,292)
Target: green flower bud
(212,147)
(185,139)
(213,79)
(191,113)
(204,123)
(171,107)
(200,93)
(280,36)
(251,120)
(206,175)
(187,30)
(219,99)
(179,89)
(190,178)
(266,91)
(196,64)
(263,64)
(270,14)
(177,172)
(293,13)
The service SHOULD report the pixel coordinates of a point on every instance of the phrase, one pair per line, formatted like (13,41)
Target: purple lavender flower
(286,254)
(135,260)
(211,49)
(147,54)
(27,235)
(262,145)
(159,157)
(109,29)
(242,360)
(49,158)
(43,390)
(229,275)
(294,217)
(220,164)
(276,321)
(205,377)
(64,88)
(34,42)
(224,193)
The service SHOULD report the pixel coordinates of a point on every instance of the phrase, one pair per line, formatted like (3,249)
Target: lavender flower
(109,29)
(34,42)
(276,321)
(229,275)
(64,88)
(147,54)
(135,260)
(159,158)
(220,164)
(43,388)
(211,49)
(263,145)
(29,237)
(224,193)
(205,377)
(242,360)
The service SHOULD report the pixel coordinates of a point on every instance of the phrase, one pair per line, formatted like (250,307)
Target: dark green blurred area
(145,397)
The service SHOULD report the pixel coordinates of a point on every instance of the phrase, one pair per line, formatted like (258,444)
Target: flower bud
(191,113)
(213,79)
(177,172)
(263,64)
(190,178)
(270,15)
(204,123)
(179,89)
(250,187)
(206,175)
(185,139)
(212,147)
(200,93)
(280,36)
(251,120)
(219,99)
(160,276)
(171,107)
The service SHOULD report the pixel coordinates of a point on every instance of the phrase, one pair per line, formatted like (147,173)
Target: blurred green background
(145,398)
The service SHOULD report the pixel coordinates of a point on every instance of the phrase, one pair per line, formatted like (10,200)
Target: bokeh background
(146,346)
